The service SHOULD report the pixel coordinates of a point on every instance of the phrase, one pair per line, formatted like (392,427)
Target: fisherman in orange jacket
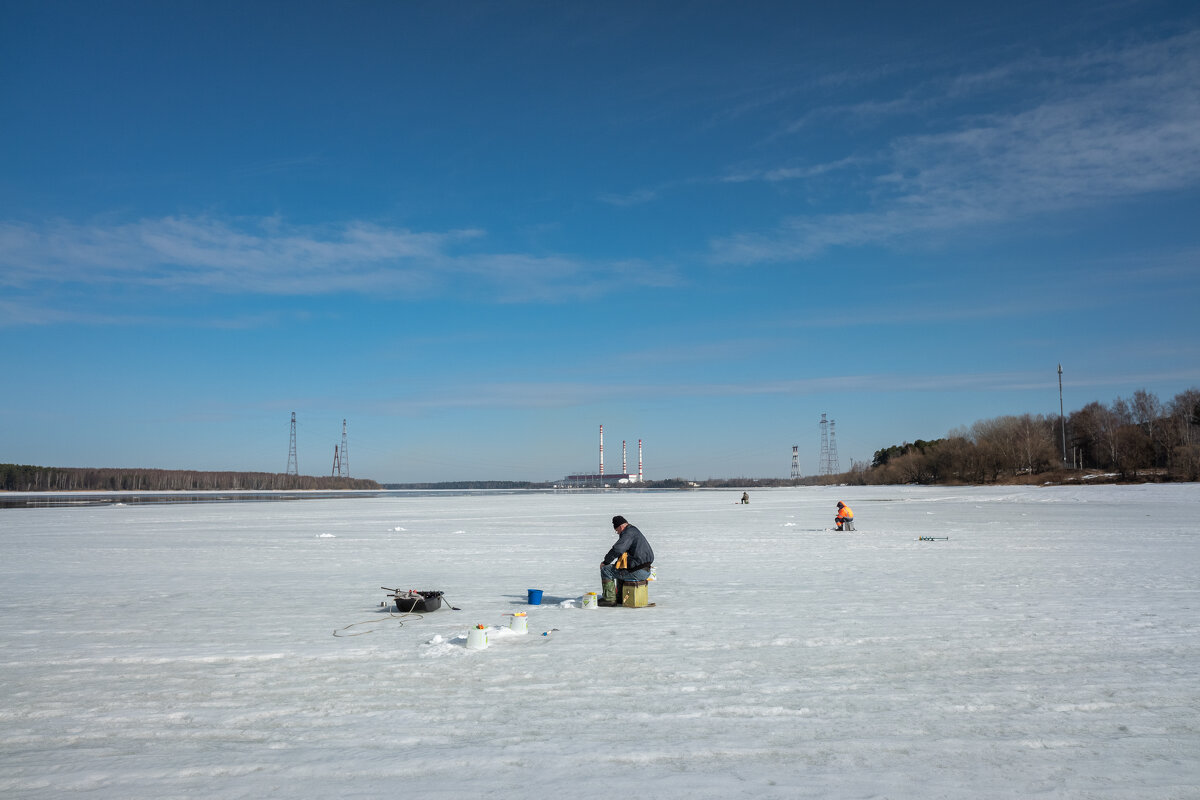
(844,515)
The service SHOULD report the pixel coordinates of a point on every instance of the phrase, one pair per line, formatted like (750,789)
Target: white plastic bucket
(520,623)
(653,574)
(591,600)
(477,639)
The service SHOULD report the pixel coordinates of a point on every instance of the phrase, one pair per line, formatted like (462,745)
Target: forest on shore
(25,478)
(1136,439)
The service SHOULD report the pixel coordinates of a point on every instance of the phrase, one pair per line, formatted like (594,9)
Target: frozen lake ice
(1050,646)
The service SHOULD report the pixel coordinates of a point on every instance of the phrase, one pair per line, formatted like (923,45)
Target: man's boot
(609,588)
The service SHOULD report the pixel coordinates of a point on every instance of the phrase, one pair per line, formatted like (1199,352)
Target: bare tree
(1184,423)
(1035,443)
(1149,414)
(999,441)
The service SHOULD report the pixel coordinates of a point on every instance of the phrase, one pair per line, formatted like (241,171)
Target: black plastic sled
(418,602)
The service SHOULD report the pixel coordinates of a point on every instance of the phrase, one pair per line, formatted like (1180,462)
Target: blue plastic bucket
(535,597)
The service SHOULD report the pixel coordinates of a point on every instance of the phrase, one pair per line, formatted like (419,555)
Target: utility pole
(1061,423)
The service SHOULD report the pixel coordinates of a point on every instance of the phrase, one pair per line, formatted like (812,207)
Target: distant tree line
(25,478)
(1140,438)
(1136,439)
(469,485)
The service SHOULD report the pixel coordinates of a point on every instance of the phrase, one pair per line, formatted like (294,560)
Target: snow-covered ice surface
(1049,648)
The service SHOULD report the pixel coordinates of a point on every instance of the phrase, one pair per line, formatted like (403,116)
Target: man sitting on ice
(633,558)
(844,517)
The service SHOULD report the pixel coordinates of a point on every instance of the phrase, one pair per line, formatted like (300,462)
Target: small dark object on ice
(412,601)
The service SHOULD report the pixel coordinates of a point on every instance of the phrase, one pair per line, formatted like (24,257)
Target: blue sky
(478,231)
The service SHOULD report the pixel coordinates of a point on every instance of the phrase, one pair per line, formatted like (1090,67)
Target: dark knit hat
(618,521)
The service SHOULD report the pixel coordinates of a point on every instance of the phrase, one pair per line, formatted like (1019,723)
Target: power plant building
(597,481)
(601,479)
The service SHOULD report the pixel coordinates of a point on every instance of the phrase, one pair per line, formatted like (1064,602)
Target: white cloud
(268,257)
(1106,126)
(184,252)
(779,174)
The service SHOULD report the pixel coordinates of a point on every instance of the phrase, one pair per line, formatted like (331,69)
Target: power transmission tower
(345,452)
(829,453)
(795,461)
(337,464)
(292,467)
(835,467)
(823,463)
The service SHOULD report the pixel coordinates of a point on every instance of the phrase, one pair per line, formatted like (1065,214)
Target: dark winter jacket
(634,543)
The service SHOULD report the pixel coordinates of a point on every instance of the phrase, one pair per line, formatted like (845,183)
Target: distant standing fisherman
(633,558)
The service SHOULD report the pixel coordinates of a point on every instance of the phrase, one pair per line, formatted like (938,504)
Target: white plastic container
(477,639)
(520,623)
(591,600)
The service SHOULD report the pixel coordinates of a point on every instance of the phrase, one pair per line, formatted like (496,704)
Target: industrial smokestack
(639,460)
(624,463)
(601,449)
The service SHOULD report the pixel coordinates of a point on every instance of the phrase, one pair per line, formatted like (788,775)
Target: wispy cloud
(1125,123)
(269,257)
(867,112)
(554,394)
(190,252)
(36,312)
(636,197)
(23,313)
(777,174)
